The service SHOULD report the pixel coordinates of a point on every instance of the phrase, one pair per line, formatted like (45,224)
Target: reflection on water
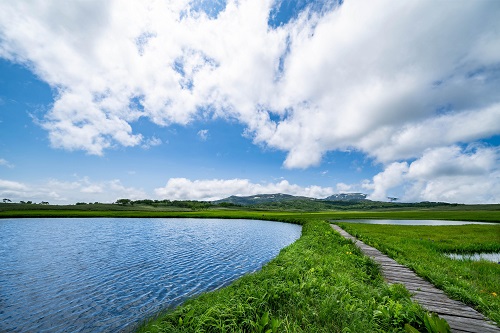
(494,257)
(414,222)
(104,275)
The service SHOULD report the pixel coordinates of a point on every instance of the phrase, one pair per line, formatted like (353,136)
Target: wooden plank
(420,289)
(395,266)
(421,284)
(386,263)
(437,299)
(429,293)
(402,270)
(409,275)
(409,278)
(460,317)
(400,273)
(392,268)
(450,309)
(404,279)
(470,325)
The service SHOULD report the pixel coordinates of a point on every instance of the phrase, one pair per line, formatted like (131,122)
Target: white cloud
(374,68)
(138,59)
(92,189)
(83,189)
(450,174)
(342,187)
(203,134)
(370,76)
(8,186)
(69,192)
(392,176)
(152,142)
(412,139)
(452,161)
(5,163)
(214,189)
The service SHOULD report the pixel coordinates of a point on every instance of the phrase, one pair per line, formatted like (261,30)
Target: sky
(178,99)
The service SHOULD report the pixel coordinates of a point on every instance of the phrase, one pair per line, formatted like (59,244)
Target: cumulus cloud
(367,75)
(214,189)
(392,176)
(157,60)
(69,192)
(450,174)
(84,189)
(412,139)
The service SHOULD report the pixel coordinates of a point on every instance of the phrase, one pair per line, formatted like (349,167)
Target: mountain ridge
(280,197)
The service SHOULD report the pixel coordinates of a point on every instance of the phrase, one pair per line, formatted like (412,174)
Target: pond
(413,222)
(493,257)
(109,274)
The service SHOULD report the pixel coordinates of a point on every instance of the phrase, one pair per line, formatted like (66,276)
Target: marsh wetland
(322,282)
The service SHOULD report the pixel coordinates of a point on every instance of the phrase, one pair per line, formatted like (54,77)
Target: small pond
(109,274)
(413,222)
(493,257)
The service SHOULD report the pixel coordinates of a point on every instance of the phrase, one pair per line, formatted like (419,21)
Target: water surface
(493,257)
(108,274)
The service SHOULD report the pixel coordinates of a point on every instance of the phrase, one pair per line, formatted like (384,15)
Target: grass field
(469,213)
(422,248)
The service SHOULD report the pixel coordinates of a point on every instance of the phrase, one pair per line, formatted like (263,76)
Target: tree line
(191,204)
(6,200)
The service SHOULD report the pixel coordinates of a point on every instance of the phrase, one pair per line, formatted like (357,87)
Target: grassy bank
(422,248)
(321,283)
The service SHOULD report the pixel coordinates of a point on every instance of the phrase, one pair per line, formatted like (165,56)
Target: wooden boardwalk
(460,317)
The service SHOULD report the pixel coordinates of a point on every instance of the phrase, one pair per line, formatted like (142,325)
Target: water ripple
(101,275)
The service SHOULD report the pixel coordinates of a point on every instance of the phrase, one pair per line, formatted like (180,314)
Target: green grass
(422,248)
(421,214)
(320,283)
(108,210)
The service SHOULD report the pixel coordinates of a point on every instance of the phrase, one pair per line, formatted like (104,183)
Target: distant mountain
(260,199)
(347,197)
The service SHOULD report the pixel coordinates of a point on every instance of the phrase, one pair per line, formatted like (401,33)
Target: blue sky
(206,99)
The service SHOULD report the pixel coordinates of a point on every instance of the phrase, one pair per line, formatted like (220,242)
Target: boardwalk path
(460,317)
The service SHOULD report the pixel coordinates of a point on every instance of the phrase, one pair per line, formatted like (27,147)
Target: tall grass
(423,249)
